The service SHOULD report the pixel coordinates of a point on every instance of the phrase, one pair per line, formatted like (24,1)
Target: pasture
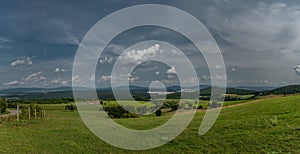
(268,125)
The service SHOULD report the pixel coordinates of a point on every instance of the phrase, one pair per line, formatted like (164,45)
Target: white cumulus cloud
(74,78)
(22,61)
(56,80)
(13,83)
(138,56)
(34,76)
(59,70)
(297,69)
(104,60)
(65,82)
(172,70)
(133,78)
(105,77)
(219,67)
(92,78)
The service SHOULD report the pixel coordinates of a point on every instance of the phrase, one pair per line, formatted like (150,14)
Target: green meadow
(266,125)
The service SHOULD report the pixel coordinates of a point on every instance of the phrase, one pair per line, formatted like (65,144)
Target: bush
(117,111)
(101,102)
(214,104)
(170,104)
(71,107)
(3,106)
(158,113)
(200,107)
(12,105)
(174,106)
(165,106)
(24,113)
(190,105)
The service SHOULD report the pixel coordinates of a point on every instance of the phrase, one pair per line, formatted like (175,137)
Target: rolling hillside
(291,89)
(271,125)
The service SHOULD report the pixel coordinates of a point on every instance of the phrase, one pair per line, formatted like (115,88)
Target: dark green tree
(3,106)
(158,113)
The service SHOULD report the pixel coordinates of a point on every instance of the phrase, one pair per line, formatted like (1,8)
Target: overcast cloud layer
(260,41)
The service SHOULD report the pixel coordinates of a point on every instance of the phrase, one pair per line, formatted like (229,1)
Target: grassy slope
(246,128)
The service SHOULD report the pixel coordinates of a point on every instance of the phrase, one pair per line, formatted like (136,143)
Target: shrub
(70,107)
(214,104)
(200,107)
(174,106)
(24,113)
(3,106)
(101,102)
(12,105)
(158,113)
(190,105)
(170,104)
(165,105)
(117,111)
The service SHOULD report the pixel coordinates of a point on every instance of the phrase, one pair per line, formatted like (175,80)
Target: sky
(259,41)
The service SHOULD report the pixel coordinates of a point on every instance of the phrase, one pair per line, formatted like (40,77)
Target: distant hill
(136,91)
(254,88)
(291,89)
(21,90)
(207,91)
(34,90)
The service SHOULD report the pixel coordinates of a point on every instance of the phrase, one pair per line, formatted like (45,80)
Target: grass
(267,126)
(228,103)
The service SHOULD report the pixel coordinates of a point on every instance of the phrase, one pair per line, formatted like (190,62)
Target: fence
(26,113)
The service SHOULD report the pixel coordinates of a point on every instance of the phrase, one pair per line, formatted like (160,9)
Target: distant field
(268,126)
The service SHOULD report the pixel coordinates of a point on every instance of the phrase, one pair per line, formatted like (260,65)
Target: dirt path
(236,105)
(12,113)
(254,101)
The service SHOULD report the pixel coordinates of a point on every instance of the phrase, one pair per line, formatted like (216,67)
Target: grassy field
(268,126)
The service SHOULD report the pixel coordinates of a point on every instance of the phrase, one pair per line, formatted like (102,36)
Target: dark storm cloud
(260,39)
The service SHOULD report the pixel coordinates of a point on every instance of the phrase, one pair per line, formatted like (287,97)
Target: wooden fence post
(43,114)
(18,117)
(29,113)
